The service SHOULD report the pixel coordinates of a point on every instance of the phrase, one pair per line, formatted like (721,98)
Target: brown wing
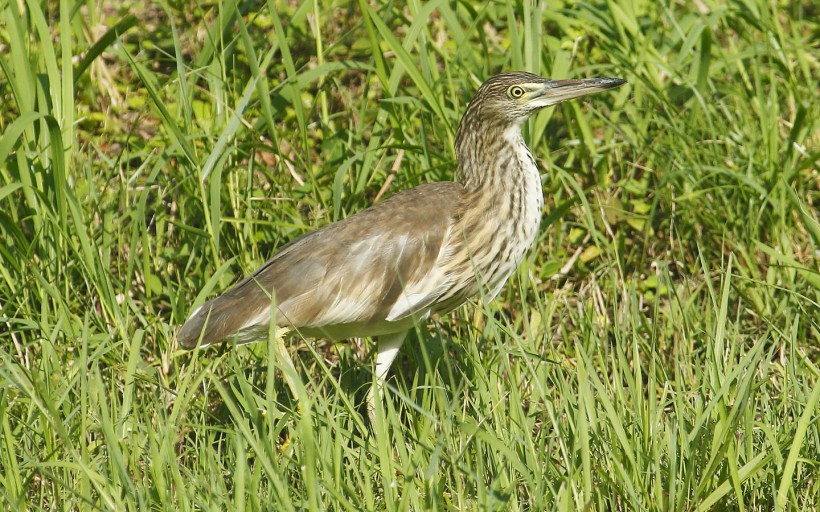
(374,267)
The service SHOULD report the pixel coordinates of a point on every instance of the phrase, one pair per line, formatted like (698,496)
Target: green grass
(659,349)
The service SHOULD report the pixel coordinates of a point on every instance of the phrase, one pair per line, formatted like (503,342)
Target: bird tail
(222,318)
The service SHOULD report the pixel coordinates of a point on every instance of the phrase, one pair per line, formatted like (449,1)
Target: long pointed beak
(557,91)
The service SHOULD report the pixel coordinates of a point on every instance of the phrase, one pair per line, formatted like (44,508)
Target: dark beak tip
(594,83)
(613,82)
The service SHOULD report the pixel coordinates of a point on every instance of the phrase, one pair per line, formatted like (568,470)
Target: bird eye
(516,92)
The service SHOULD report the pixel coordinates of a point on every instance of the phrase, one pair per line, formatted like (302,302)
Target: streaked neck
(489,153)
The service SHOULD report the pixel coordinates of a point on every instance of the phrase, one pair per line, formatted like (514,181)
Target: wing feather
(377,267)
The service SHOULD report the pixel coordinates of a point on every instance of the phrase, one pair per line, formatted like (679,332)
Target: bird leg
(288,368)
(389,345)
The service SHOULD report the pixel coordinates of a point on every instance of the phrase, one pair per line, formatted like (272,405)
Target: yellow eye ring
(515,92)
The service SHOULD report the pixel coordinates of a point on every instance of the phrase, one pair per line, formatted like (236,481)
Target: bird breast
(500,219)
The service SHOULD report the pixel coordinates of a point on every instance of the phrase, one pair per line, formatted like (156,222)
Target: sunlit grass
(658,349)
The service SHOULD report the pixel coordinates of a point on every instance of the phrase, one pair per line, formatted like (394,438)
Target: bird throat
(503,202)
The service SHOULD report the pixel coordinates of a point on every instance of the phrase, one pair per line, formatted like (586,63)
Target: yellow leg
(288,368)
(389,345)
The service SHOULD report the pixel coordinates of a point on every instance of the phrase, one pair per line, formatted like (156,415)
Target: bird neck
(501,208)
(493,155)
(495,164)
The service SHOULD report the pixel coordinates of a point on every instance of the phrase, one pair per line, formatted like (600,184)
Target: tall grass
(658,350)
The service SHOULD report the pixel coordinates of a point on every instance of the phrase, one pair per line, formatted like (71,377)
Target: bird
(422,251)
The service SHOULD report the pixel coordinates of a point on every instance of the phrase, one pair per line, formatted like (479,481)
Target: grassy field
(658,350)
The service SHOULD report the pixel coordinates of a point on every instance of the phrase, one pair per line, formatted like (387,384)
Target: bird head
(510,98)
(499,107)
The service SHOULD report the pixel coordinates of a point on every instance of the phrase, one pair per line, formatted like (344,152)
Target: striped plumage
(424,250)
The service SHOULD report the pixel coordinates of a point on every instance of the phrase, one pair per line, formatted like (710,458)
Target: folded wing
(363,274)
